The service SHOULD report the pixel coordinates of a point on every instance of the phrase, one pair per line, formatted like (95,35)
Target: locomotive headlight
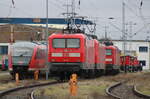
(74,54)
(52,60)
(57,54)
(108,59)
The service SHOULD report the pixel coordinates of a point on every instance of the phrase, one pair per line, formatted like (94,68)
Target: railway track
(122,90)
(23,92)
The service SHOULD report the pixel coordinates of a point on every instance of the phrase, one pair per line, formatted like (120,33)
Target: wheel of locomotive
(109,72)
(125,69)
(133,69)
(84,73)
(136,69)
(87,73)
(106,72)
(13,74)
(98,73)
(117,71)
(130,69)
(92,73)
(114,72)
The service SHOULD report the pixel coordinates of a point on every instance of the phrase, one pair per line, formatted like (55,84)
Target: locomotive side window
(73,43)
(108,52)
(58,43)
(66,43)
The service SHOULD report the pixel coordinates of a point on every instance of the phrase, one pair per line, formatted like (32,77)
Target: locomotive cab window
(58,43)
(73,43)
(66,43)
(108,52)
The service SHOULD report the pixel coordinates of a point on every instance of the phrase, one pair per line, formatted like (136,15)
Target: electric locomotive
(71,53)
(112,59)
(127,63)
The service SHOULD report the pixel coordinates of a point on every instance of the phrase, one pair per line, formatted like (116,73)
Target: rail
(138,93)
(2,93)
(135,92)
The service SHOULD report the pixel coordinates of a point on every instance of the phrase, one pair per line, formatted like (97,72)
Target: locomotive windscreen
(66,43)
(22,53)
(108,52)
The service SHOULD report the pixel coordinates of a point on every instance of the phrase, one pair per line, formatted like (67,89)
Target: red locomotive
(26,57)
(129,63)
(135,64)
(70,53)
(126,63)
(112,60)
(77,53)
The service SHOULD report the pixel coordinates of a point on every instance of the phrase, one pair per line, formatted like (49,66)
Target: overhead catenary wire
(13,3)
(141,16)
(10,11)
(16,8)
(140,11)
(58,4)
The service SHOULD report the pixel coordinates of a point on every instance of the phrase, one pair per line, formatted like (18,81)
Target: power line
(56,5)
(13,3)
(140,11)
(16,8)
(10,11)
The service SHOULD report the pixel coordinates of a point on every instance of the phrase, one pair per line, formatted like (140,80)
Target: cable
(20,10)
(10,11)
(13,3)
(141,17)
(130,9)
(140,12)
(57,4)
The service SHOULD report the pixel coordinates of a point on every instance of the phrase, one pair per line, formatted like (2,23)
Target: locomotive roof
(24,44)
(60,35)
(41,46)
(113,47)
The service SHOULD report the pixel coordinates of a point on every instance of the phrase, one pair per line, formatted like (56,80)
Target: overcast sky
(99,10)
